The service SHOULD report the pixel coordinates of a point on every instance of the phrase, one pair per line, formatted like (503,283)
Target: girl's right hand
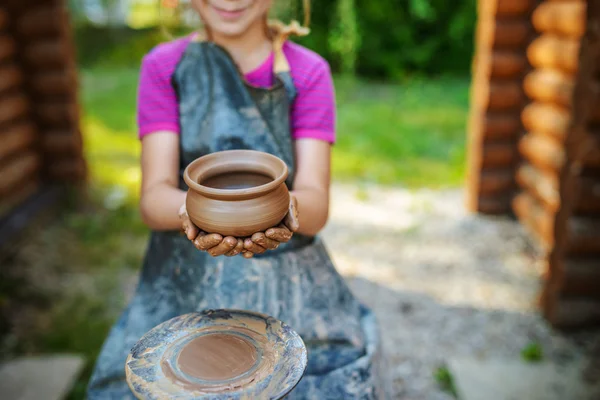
(213,243)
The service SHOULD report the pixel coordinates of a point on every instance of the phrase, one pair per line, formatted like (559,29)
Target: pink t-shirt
(312,113)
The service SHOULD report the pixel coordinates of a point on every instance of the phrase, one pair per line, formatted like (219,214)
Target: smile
(229,14)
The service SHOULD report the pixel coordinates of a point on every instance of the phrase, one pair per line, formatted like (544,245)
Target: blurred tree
(384,39)
(344,37)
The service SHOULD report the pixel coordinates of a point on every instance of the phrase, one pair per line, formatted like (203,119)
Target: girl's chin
(229,30)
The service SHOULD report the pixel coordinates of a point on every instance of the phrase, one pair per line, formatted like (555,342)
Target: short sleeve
(157,108)
(313,112)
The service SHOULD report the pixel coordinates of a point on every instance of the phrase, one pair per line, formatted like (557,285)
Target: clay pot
(237,192)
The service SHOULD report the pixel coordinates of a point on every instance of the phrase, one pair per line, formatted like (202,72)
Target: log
(549,86)
(18,170)
(15,139)
(8,47)
(61,142)
(4,19)
(542,151)
(501,126)
(494,182)
(563,18)
(493,205)
(503,33)
(539,221)
(554,52)
(542,186)
(579,277)
(46,54)
(42,21)
(53,83)
(507,64)
(589,196)
(546,119)
(19,195)
(583,235)
(570,313)
(10,77)
(499,155)
(70,169)
(13,107)
(505,95)
(514,8)
(592,157)
(57,115)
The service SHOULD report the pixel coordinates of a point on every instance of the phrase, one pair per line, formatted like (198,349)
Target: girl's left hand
(273,237)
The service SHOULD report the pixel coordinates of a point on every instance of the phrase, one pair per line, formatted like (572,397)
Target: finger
(247,254)
(237,249)
(253,247)
(205,242)
(225,246)
(260,239)
(281,234)
(291,219)
(191,230)
(291,222)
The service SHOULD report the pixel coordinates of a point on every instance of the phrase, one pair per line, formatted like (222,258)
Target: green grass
(410,134)
(532,353)
(445,380)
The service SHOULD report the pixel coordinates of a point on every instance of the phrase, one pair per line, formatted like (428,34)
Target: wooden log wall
(500,64)
(20,160)
(40,140)
(536,153)
(567,52)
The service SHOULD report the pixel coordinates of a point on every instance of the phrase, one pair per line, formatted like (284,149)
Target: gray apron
(297,283)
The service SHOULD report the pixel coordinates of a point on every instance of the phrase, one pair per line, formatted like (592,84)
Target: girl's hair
(294,27)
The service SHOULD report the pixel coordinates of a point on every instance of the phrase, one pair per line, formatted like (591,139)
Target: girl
(244,86)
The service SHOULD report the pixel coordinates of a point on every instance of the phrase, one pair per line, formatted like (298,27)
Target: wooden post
(497,97)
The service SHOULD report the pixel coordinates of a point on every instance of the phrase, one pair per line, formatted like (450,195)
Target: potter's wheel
(217,354)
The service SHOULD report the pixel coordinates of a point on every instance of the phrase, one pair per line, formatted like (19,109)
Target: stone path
(37,378)
(513,380)
(450,289)
(445,284)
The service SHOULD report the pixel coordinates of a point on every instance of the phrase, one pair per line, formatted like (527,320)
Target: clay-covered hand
(213,243)
(273,237)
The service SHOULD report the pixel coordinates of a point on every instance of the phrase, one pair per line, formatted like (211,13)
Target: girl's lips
(227,14)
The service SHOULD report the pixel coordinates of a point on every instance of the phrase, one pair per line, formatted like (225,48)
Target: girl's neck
(249,50)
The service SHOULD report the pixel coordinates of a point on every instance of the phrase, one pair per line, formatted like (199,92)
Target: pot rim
(235,193)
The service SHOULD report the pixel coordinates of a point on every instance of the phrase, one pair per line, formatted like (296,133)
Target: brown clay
(237,192)
(219,361)
(217,357)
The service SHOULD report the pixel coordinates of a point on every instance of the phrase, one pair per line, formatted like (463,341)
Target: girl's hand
(217,245)
(273,237)
(213,243)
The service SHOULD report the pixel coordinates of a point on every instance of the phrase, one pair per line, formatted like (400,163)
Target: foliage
(400,38)
(532,352)
(384,39)
(445,380)
(344,38)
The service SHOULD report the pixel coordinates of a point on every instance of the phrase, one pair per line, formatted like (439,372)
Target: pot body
(238,212)
(239,218)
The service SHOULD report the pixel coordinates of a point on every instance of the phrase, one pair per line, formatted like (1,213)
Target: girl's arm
(311,184)
(161,197)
